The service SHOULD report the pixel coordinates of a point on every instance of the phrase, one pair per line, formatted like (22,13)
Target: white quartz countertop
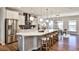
(32,32)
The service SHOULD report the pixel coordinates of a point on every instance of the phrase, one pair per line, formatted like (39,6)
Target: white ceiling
(51,10)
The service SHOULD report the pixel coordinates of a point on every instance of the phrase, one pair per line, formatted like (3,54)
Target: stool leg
(51,41)
(46,47)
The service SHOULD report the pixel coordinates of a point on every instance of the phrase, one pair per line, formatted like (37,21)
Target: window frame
(72,25)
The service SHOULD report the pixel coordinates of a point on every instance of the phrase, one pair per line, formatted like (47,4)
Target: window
(72,25)
(60,25)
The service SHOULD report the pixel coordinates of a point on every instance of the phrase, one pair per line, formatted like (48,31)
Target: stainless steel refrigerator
(10,30)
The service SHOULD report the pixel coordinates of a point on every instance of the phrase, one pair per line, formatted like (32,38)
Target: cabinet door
(12,14)
(21,20)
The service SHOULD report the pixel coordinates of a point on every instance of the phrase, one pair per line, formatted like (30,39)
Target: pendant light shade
(31,18)
(41,20)
(47,20)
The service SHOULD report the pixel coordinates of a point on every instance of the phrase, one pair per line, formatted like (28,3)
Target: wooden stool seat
(44,38)
(45,43)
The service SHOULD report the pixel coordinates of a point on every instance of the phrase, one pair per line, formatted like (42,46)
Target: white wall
(66,19)
(2,26)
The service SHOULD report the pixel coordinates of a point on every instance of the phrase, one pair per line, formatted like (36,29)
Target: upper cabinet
(21,20)
(12,14)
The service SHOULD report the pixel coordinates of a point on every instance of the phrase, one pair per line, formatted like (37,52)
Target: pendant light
(41,19)
(47,16)
(51,23)
(56,20)
(31,17)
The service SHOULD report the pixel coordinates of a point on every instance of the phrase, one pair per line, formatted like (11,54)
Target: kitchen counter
(33,32)
(30,39)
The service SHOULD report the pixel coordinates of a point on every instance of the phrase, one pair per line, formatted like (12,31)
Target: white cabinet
(12,14)
(21,20)
(15,15)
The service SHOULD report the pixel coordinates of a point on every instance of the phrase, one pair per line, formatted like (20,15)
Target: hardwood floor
(9,47)
(67,44)
(64,44)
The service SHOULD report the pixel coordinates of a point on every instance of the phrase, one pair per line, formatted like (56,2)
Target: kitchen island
(29,40)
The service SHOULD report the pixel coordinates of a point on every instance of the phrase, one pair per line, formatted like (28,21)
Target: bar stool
(51,40)
(55,37)
(45,43)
